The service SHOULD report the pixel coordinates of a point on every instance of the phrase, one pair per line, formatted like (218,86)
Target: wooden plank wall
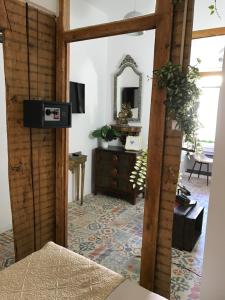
(181,44)
(62,135)
(3,16)
(31,151)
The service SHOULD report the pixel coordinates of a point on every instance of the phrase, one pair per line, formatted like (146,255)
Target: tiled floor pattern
(6,249)
(109,231)
(187,266)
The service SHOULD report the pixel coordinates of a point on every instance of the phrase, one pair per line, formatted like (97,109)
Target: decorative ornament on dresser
(124,115)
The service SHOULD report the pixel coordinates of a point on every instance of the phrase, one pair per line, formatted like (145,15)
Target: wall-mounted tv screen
(77,97)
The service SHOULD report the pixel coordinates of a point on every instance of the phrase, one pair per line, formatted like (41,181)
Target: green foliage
(106,133)
(138,175)
(212,7)
(182,96)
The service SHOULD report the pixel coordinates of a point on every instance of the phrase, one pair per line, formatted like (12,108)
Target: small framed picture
(133,143)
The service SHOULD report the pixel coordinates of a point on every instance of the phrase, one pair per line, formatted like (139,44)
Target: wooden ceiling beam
(211,73)
(142,23)
(199,34)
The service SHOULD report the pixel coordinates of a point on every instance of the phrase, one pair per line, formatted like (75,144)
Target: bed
(57,273)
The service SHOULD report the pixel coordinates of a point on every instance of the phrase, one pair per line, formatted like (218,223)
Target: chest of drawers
(112,169)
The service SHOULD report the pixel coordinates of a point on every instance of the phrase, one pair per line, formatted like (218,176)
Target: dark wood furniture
(77,167)
(187,226)
(112,169)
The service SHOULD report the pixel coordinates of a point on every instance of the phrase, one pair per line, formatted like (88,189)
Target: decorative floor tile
(109,231)
(6,249)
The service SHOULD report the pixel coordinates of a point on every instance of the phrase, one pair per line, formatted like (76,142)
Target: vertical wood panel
(4,24)
(31,151)
(180,54)
(20,173)
(155,147)
(43,141)
(62,134)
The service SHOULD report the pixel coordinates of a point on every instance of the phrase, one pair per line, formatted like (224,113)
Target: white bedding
(57,273)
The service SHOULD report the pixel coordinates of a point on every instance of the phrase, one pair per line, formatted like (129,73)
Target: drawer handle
(115,157)
(114,183)
(114,172)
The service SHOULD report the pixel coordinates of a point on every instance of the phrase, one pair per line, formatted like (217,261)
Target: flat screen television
(77,97)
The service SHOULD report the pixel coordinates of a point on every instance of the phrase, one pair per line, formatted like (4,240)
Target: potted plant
(182,99)
(182,106)
(105,134)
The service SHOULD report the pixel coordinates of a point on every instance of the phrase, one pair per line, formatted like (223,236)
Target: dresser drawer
(112,173)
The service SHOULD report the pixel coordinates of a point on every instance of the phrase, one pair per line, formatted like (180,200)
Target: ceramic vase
(104,144)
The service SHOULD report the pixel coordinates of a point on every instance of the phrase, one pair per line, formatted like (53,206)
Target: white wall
(5,209)
(88,64)
(49,5)
(202,18)
(141,48)
(213,281)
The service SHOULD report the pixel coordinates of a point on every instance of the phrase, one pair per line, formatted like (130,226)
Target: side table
(187,226)
(77,167)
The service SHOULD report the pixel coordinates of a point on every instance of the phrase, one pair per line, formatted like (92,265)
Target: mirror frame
(128,61)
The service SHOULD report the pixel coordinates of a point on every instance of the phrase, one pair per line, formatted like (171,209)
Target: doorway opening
(7,255)
(108,226)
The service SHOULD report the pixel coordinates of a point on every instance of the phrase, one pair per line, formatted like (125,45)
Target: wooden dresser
(112,169)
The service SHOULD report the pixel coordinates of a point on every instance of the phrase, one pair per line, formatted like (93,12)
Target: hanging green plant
(182,96)
(138,175)
(212,7)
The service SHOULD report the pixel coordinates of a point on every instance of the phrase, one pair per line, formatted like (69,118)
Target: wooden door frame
(162,21)
(210,32)
(207,33)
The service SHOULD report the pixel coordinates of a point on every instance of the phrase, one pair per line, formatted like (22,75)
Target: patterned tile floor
(6,249)
(109,231)
(187,266)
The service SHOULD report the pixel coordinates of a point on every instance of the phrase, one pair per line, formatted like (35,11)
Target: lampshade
(133,14)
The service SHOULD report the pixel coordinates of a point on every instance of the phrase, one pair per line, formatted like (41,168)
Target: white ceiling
(118,8)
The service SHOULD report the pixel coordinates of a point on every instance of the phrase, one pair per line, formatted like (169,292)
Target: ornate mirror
(128,88)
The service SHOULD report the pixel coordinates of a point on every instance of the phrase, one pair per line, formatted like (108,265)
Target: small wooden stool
(77,167)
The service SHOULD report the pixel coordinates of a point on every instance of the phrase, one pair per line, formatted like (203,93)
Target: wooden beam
(110,29)
(180,54)
(155,147)
(4,22)
(211,73)
(199,34)
(62,81)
